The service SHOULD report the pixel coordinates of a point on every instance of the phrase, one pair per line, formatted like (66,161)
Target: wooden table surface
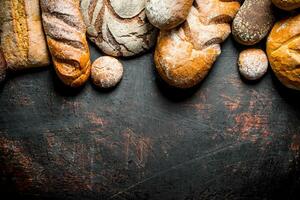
(224,139)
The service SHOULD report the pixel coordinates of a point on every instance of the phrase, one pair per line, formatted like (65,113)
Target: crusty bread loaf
(283,49)
(65,30)
(253,21)
(184,56)
(287,4)
(118,27)
(3,67)
(167,14)
(21,34)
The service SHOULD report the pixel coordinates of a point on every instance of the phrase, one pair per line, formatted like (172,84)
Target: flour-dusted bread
(287,4)
(253,21)
(21,34)
(3,67)
(167,14)
(118,27)
(66,37)
(253,64)
(184,56)
(283,49)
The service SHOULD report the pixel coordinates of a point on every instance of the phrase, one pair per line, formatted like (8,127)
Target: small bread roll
(167,14)
(287,4)
(283,49)
(3,67)
(106,72)
(253,64)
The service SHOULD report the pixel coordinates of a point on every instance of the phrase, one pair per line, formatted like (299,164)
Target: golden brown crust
(287,4)
(22,37)
(65,31)
(283,49)
(184,56)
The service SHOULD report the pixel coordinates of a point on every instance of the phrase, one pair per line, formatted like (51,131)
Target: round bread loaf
(167,14)
(283,49)
(106,72)
(118,27)
(3,67)
(253,21)
(253,64)
(287,4)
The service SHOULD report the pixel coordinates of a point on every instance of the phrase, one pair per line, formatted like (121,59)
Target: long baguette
(65,31)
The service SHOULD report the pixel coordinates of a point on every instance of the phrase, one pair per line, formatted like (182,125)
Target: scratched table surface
(224,139)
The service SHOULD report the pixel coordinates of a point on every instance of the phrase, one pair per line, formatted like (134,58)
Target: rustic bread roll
(253,64)
(167,14)
(21,34)
(106,72)
(184,56)
(253,21)
(65,30)
(3,67)
(118,27)
(283,49)
(287,4)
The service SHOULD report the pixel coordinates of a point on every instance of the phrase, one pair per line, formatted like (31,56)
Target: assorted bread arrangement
(187,36)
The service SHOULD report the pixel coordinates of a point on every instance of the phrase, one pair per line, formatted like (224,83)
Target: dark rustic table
(224,139)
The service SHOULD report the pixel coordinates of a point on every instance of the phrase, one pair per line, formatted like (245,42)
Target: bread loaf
(118,27)
(253,21)
(283,49)
(21,34)
(184,55)
(3,67)
(65,30)
(287,4)
(167,14)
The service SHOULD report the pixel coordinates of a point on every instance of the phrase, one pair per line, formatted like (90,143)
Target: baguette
(65,31)
(287,4)
(184,55)
(21,34)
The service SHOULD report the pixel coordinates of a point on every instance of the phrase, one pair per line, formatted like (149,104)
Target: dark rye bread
(66,38)
(118,27)
(253,21)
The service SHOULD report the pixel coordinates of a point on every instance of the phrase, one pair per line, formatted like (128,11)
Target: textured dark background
(224,139)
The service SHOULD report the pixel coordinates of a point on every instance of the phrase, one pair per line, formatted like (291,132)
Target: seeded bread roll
(65,30)
(287,4)
(21,34)
(3,67)
(118,27)
(283,49)
(253,21)
(184,56)
(167,14)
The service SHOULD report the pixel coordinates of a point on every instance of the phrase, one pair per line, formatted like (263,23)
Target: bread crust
(287,4)
(118,27)
(283,49)
(253,21)
(22,38)
(3,67)
(184,56)
(167,14)
(66,38)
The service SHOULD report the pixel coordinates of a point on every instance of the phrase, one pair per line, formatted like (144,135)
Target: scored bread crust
(283,49)
(287,4)
(118,27)
(184,56)
(21,34)
(66,37)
